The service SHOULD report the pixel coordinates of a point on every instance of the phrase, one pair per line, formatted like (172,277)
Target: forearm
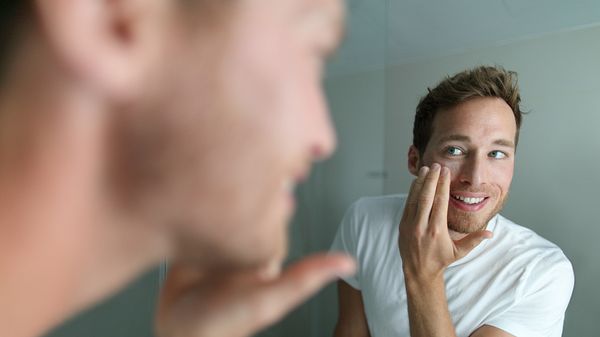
(428,308)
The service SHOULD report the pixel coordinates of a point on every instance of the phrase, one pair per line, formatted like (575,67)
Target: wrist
(419,281)
(424,294)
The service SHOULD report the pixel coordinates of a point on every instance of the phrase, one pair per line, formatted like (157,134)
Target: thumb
(469,242)
(300,281)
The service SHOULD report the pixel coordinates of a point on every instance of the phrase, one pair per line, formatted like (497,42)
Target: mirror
(394,50)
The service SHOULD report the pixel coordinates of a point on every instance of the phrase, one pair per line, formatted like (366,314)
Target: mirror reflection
(554,50)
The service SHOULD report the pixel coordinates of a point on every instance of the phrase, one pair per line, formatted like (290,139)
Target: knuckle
(417,233)
(434,232)
(440,201)
(411,203)
(425,197)
(410,234)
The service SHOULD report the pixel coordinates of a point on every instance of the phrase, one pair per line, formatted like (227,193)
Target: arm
(490,331)
(352,321)
(428,308)
(427,250)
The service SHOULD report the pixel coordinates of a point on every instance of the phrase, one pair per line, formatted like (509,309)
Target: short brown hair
(482,81)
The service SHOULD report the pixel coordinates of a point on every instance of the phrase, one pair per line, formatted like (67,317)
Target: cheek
(453,165)
(502,175)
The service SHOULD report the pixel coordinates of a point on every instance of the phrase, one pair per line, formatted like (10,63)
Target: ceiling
(381,32)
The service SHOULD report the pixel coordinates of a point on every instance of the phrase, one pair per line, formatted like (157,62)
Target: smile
(469,201)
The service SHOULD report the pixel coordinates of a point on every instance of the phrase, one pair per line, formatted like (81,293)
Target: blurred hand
(425,244)
(194,303)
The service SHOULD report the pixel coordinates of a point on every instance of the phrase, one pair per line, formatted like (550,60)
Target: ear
(109,45)
(414,160)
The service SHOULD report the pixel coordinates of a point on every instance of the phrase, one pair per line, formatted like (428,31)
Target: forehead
(482,119)
(333,6)
(279,7)
(257,18)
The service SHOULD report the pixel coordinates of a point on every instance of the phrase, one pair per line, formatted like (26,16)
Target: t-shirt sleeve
(345,241)
(539,309)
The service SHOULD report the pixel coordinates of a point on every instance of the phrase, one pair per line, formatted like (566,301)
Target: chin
(259,252)
(467,223)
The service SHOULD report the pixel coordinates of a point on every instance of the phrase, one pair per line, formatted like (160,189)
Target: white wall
(556,186)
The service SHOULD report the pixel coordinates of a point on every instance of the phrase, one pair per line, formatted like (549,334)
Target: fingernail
(271,272)
(423,170)
(435,166)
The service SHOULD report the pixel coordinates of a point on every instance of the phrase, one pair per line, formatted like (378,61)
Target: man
(442,261)
(137,130)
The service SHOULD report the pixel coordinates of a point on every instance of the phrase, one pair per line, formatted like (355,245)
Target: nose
(322,132)
(326,143)
(473,171)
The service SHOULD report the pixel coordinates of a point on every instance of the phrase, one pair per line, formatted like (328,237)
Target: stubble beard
(469,222)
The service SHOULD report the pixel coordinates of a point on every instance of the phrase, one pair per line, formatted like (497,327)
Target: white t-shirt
(517,281)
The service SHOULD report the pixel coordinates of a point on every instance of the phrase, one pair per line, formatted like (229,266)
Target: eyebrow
(467,139)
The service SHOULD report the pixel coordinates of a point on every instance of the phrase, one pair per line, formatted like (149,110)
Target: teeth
(469,201)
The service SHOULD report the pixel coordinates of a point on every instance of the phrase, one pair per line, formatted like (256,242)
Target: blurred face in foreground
(237,118)
(157,128)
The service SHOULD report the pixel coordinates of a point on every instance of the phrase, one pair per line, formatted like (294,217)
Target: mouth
(468,203)
(289,186)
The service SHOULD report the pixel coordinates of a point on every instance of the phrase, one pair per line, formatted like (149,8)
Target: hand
(196,303)
(424,241)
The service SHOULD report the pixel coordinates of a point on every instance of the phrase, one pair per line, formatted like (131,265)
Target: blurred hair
(12,14)
(482,81)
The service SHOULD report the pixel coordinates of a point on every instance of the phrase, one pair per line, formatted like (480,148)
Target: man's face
(475,140)
(236,123)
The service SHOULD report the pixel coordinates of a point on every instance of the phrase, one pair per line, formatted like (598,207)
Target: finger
(466,244)
(297,283)
(180,277)
(413,195)
(270,271)
(439,211)
(426,196)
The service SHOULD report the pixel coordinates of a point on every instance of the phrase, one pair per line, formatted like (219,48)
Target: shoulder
(520,239)
(373,216)
(379,209)
(544,261)
(379,205)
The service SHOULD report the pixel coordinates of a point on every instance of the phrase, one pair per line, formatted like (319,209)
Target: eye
(454,151)
(497,155)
